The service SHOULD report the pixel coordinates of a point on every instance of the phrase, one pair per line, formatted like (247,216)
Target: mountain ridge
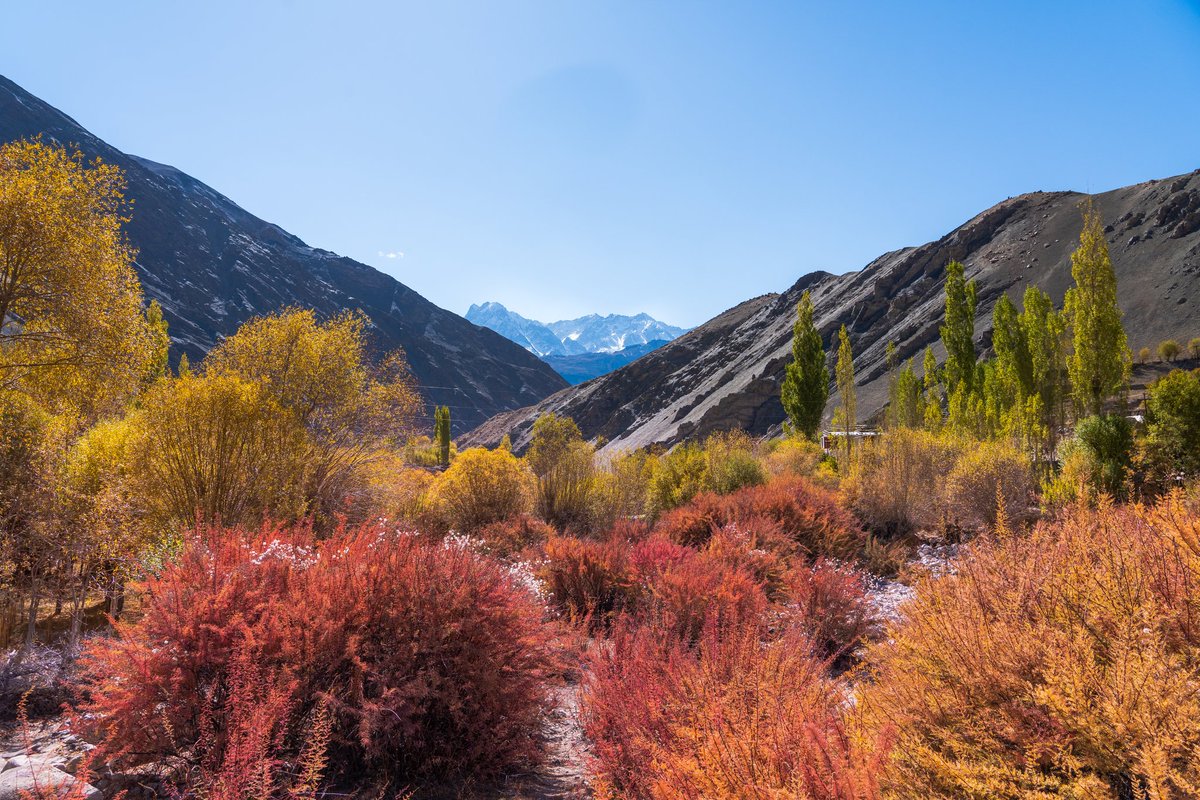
(727,372)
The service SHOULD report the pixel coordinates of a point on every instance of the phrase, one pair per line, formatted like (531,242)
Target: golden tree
(71,324)
(217,448)
(352,411)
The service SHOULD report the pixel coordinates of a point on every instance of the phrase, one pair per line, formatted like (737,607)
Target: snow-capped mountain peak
(592,333)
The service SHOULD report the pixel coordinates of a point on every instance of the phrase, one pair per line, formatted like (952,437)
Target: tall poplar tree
(933,399)
(806,382)
(1044,331)
(958,332)
(441,434)
(1099,360)
(845,382)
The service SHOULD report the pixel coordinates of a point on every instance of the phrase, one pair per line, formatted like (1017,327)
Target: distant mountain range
(727,372)
(579,349)
(212,266)
(590,334)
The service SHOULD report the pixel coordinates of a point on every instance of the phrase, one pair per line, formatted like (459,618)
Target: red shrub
(700,591)
(512,536)
(808,514)
(759,548)
(432,658)
(656,554)
(733,717)
(692,524)
(243,734)
(629,530)
(589,579)
(828,601)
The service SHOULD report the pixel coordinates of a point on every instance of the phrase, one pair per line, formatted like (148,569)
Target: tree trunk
(78,604)
(34,599)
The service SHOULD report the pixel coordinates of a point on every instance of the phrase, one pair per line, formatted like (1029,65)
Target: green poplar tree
(1099,360)
(933,397)
(160,342)
(1014,368)
(806,382)
(904,400)
(958,332)
(441,434)
(1044,330)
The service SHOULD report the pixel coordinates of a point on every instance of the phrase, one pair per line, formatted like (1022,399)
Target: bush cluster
(810,516)
(1055,664)
(431,658)
(742,714)
(915,481)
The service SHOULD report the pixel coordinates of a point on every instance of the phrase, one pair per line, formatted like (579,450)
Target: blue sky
(567,157)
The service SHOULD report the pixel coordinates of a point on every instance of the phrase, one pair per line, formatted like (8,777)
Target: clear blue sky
(566,157)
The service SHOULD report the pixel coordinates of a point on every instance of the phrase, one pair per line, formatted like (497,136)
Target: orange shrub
(757,547)
(432,658)
(807,514)
(1057,664)
(692,524)
(739,716)
(699,590)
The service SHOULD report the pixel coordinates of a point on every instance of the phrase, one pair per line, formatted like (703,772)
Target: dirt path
(563,774)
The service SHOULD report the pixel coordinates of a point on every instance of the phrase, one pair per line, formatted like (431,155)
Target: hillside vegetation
(257,576)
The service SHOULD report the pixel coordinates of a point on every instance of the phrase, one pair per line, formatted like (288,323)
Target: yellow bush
(395,490)
(676,477)
(794,456)
(983,474)
(897,485)
(1061,663)
(731,462)
(481,487)
(219,448)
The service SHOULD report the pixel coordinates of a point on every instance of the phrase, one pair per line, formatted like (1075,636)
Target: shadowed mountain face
(585,366)
(727,372)
(212,266)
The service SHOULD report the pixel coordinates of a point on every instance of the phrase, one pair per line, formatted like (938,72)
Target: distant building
(830,439)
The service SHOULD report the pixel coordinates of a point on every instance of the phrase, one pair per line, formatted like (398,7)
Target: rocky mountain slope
(213,265)
(590,334)
(726,373)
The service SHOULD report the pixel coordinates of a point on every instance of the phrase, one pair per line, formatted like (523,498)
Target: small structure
(830,440)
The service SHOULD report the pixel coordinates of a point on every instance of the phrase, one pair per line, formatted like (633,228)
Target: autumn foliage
(1057,664)
(807,514)
(740,715)
(432,659)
